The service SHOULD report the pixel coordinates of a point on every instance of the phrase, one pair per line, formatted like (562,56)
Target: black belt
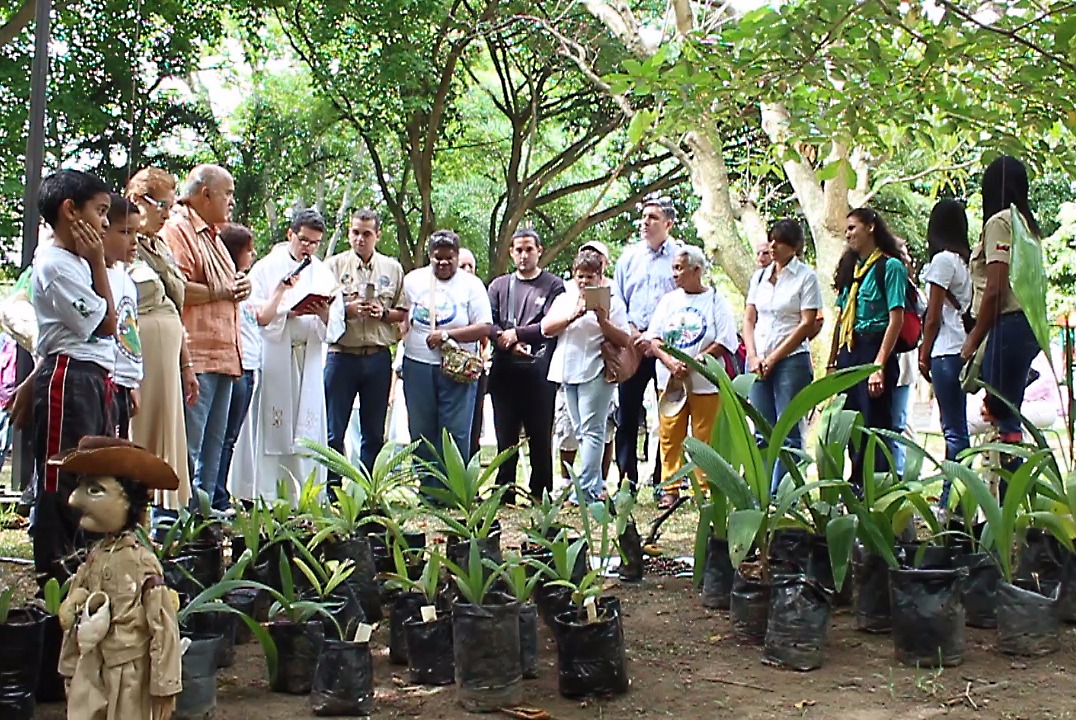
(361,350)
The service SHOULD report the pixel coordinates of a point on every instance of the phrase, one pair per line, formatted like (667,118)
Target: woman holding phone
(577,362)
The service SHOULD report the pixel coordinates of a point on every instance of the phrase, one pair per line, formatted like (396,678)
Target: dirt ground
(684,663)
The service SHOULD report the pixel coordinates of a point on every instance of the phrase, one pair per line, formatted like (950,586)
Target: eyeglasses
(309,242)
(154,202)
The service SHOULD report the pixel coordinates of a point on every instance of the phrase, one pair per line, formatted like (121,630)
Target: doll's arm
(165,655)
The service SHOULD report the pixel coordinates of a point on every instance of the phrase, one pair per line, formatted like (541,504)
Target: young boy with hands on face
(72,393)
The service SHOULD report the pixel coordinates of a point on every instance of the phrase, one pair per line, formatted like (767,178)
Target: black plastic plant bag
(485,641)
(980,587)
(798,622)
(298,647)
(590,655)
(198,698)
(363,580)
(404,607)
(221,624)
(1040,558)
(717,575)
(20,660)
(430,658)
(1028,618)
(927,611)
(789,552)
(924,556)
(243,600)
(528,641)
(871,602)
(749,609)
(343,680)
(552,600)
(50,684)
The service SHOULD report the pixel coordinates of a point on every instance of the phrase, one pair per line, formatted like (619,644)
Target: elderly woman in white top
(577,362)
(782,305)
(697,321)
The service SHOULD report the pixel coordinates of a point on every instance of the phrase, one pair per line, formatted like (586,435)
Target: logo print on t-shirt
(249,318)
(684,328)
(127,339)
(446,309)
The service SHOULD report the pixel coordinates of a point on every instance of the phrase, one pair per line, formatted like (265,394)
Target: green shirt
(872,305)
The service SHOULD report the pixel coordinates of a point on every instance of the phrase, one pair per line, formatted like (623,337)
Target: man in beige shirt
(210,317)
(359,361)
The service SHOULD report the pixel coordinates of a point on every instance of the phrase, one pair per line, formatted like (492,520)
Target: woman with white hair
(783,301)
(698,321)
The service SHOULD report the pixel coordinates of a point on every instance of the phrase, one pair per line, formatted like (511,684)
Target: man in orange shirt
(211,317)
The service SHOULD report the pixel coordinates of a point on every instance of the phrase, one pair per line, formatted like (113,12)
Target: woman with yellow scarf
(871,316)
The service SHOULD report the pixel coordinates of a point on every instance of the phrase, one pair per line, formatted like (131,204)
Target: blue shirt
(642,277)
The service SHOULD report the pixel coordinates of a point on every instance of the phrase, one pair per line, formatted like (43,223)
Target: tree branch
(939,167)
(15,24)
(1011,34)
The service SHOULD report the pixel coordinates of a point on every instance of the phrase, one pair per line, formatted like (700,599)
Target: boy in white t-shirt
(120,247)
(70,389)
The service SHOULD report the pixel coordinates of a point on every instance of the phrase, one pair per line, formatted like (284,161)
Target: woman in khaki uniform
(121,654)
(169,378)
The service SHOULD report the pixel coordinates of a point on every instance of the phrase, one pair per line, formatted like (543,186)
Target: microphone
(295,273)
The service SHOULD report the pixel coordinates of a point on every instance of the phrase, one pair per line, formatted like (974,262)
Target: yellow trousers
(702,411)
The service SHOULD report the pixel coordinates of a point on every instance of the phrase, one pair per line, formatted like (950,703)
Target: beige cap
(674,397)
(597,246)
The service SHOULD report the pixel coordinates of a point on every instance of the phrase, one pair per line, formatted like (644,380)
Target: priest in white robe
(289,404)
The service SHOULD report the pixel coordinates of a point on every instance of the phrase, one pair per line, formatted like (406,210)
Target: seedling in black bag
(474,583)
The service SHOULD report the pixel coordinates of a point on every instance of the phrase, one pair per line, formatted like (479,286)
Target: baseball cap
(597,246)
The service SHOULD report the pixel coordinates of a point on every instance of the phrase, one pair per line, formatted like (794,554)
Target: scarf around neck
(848,313)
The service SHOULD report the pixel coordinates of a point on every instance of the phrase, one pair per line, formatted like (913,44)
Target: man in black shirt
(523,398)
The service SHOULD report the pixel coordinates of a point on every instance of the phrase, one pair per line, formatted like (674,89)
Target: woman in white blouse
(949,297)
(782,305)
(577,363)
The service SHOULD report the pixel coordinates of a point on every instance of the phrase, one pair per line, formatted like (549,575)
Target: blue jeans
(370,378)
(772,395)
(588,408)
(1010,349)
(206,422)
(877,411)
(902,397)
(952,409)
(238,406)
(436,403)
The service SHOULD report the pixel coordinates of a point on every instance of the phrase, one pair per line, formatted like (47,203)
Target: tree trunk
(715,220)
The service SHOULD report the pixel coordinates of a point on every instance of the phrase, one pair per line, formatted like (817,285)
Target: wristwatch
(444,336)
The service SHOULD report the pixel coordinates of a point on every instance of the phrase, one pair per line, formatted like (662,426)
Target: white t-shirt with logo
(68,310)
(250,336)
(460,302)
(949,272)
(691,323)
(128,372)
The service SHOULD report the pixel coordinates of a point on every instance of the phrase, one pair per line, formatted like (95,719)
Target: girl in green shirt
(871,316)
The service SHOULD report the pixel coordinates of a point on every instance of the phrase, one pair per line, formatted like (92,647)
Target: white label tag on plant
(363,632)
(591,608)
(429,613)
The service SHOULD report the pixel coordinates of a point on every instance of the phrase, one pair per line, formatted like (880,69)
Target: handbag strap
(511,301)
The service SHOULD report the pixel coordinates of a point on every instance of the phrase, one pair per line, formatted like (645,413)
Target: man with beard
(522,397)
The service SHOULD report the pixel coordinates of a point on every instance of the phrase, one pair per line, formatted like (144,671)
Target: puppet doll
(121,650)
